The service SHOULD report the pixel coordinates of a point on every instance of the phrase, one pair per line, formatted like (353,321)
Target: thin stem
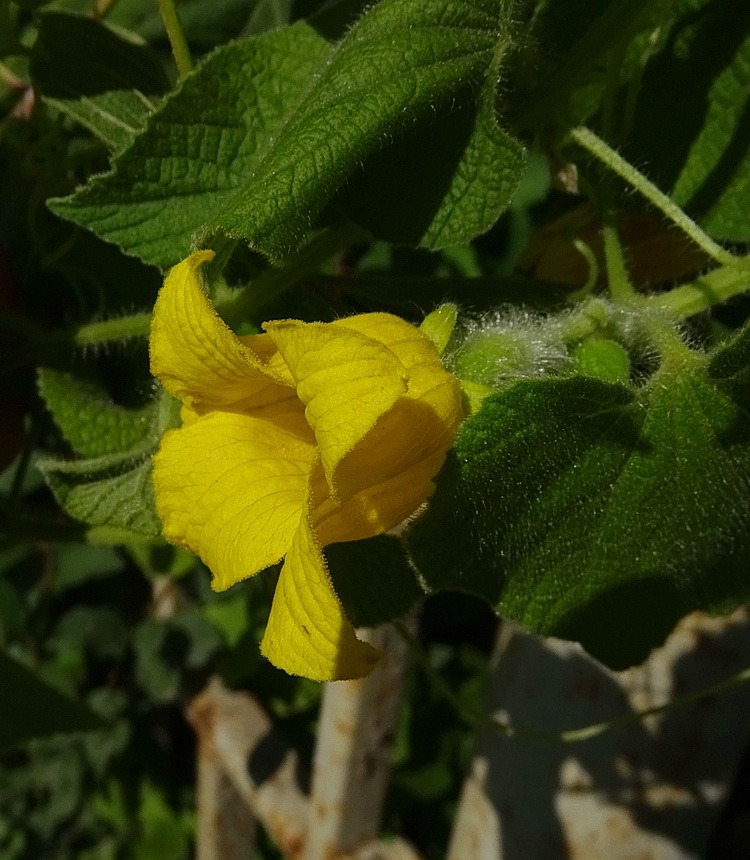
(596,729)
(176,37)
(244,303)
(706,291)
(601,150)
(572,735)
(618,279)
(136,325)
(276,281)
(436,679)
(584,249)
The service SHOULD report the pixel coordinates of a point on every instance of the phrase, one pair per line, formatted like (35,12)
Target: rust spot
(345,728)
(202,716)
(291,844)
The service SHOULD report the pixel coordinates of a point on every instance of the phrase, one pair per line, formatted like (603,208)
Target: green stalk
(176,37)
(276,281)
(136,325)
(618,279)
(572,735)
(598,148)
(706,291)
(593,270)
(243,304)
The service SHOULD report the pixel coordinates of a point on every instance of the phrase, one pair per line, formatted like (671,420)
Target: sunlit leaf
(596,513)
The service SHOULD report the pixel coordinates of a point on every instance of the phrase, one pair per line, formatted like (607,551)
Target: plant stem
(136,325)
(593,270)
(176,37)
(572,735)
(618,279)
(601,150)
(275,281)
(706,291)
(244,303)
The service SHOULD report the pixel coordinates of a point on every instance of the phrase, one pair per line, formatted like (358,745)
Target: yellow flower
(307,435)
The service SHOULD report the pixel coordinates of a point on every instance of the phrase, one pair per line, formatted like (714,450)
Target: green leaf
(404,62)
(581,48)
(733,357)
(588,511)
(373,579)
(99,77)
(162,835)
(285,122)
(699,88)
(89,420)
(114,490)
(444,183)
(76,565)
(33,709)
(164,651)
(199,146)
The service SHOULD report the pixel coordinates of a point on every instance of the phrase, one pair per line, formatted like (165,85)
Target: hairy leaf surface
(267,131)
(589,511)
(92,424)
(97,76)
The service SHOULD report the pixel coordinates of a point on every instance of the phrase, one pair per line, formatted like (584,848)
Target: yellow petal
(307,632)
(230,488)
(394,464)
(379,508)
(196,356)
(411,346)
(347,381)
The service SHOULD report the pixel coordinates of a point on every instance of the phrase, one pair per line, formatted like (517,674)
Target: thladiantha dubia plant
(586,470)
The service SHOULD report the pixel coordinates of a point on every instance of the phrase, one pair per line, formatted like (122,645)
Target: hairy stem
(572,735)
(136,325)
(276,281)
(243,304)
(601,150)
(618,279)
(706,291)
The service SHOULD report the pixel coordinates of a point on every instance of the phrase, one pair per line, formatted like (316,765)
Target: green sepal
(91,423)
(100,77)
(439,324)
(597,513)
(114,490)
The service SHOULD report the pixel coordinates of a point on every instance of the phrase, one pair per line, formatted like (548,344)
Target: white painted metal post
(352,756)
(653,788)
